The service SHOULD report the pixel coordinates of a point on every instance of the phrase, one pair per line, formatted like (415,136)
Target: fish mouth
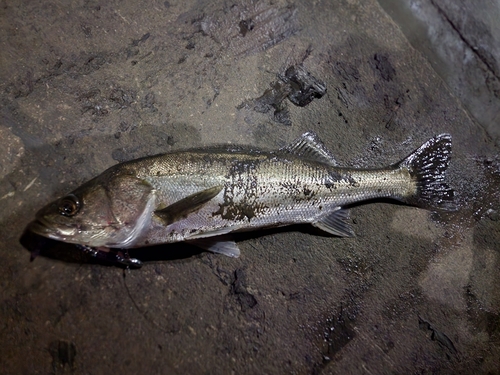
(44,229)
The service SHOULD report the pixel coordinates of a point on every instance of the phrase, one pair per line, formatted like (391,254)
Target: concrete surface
(461,40)
(86,84)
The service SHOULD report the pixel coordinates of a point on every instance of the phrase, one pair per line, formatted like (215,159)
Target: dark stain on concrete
(63,356)
(296,84)
(383,66)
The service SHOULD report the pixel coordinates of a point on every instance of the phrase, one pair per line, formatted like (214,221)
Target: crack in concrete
(474,49)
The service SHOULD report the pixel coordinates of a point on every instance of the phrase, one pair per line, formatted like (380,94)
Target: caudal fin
(427,166)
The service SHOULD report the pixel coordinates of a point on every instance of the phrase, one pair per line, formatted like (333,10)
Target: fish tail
(427,166)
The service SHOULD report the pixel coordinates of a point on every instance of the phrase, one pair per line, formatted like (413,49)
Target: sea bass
(201,195)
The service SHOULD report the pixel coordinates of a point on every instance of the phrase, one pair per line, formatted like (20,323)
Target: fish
(201,196)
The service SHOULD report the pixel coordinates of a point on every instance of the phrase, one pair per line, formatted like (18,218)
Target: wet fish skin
(201,195)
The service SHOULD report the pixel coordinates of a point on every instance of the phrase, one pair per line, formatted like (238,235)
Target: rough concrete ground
(461,40)
(86,84)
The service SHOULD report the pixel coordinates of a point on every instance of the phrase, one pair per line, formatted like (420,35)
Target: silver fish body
(202,195)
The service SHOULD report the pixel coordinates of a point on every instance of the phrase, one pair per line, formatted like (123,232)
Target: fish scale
(202,195)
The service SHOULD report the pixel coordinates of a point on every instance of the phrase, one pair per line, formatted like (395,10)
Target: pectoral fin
(192,203)
(336,223)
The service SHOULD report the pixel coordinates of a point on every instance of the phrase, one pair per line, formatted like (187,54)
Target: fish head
(108,211)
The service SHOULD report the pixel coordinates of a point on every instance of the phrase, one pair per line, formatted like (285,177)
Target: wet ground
(88,84)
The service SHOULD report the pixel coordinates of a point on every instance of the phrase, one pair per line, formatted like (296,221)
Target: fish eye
(69,205)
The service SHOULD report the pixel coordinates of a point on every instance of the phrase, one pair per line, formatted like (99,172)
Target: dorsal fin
(309,146)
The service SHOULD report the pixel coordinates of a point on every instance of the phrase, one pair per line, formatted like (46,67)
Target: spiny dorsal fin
(309,146)
(185,206)
(336,223)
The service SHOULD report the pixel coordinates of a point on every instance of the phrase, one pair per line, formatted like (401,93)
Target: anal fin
(336,223)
